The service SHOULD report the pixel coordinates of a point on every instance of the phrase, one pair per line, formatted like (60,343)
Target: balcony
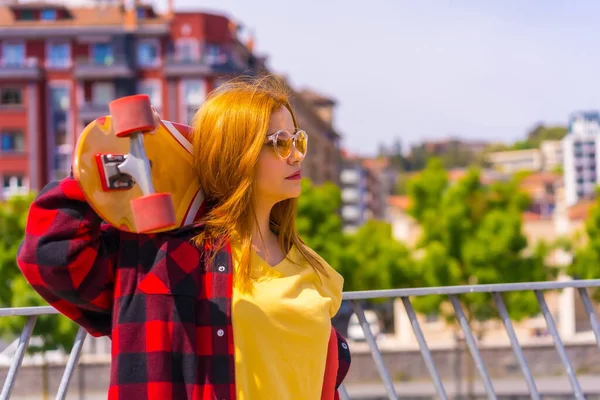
(206,65)
(28,68)
(108,68)
(91,111)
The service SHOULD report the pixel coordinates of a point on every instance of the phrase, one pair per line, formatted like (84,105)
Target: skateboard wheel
(132,114)
(152,212)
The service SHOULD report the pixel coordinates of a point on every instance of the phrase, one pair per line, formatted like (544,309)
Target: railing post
(464,324)
(437,382)
(18,358)
(514,342)
(71,364)
(383,372)
(562,353)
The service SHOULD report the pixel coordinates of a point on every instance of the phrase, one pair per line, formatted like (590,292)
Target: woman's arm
(69,256)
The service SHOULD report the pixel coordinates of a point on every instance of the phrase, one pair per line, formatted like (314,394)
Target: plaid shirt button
(345,346)
(220,333)
(221,268)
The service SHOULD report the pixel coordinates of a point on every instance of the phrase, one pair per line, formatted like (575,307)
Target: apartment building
(362,194)
(60,66)
(580,163)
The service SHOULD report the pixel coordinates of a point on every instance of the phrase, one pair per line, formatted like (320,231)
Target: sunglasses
(283,140)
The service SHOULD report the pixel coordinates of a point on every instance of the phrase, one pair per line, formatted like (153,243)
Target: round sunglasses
(283,140)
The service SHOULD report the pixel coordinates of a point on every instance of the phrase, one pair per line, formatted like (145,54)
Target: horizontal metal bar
(26,311)
(374,294)
(447,290)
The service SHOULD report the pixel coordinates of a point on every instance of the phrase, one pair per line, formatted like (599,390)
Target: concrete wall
(93,378)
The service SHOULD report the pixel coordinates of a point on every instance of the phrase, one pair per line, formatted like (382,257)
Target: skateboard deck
(109,192)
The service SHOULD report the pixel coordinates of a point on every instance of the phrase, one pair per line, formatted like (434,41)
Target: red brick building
(60,66)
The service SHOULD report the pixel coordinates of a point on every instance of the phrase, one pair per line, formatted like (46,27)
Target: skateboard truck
(136,164)
(133,117)
(111,176)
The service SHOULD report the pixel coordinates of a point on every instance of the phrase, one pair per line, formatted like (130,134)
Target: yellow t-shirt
(281,330)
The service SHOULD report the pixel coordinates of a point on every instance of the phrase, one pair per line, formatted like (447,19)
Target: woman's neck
(262,237)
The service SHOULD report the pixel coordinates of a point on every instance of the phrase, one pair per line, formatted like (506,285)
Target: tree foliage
(471,234)
(586,260)
(368,259)
(55,330)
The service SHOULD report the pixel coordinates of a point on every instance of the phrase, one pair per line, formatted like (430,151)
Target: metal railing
(451,292)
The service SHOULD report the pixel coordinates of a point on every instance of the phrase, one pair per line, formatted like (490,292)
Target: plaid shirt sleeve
(68,256)
(344,359)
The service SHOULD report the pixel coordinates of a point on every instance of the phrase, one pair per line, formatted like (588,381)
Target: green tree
(56,331)
(539,134)
(586,260)
(319,221)
(377,260)
(472,235)
(368,259)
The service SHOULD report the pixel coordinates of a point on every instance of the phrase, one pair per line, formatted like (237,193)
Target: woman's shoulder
(334,275)
(330,286)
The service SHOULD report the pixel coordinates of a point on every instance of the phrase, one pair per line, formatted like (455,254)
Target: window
(213,54)
(48,15)
(11,141)
(103,93)
(13,185)
(26,15)
(59,55)
(102,54)
(147,53)
(186,50)
(13,54)
(59,98)
(11,97)
(194,93)
(153,90)
(141,13)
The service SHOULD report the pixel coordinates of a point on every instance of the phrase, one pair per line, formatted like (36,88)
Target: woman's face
(278,179)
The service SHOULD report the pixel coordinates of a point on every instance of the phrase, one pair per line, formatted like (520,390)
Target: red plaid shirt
(169,317)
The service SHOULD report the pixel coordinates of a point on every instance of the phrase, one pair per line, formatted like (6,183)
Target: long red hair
(228,133)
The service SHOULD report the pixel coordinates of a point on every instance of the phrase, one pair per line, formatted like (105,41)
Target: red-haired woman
(234,306)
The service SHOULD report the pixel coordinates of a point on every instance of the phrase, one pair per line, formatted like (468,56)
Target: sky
(417,70)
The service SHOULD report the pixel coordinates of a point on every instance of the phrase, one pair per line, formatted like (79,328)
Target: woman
(235,306)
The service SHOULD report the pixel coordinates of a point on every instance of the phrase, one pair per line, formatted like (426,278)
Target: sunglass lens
(284,144)
(302,142)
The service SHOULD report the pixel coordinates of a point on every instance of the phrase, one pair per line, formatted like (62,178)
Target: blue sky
(431,69)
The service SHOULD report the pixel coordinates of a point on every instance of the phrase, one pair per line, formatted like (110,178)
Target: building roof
(100,15)
(376,164)
(542,177)
(581,210)
(486,176)
(316,98)
(399,202)
(536,183)
(532,216)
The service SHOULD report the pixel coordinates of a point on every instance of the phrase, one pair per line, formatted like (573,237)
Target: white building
(552,153)
(513,161)
(580,163)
